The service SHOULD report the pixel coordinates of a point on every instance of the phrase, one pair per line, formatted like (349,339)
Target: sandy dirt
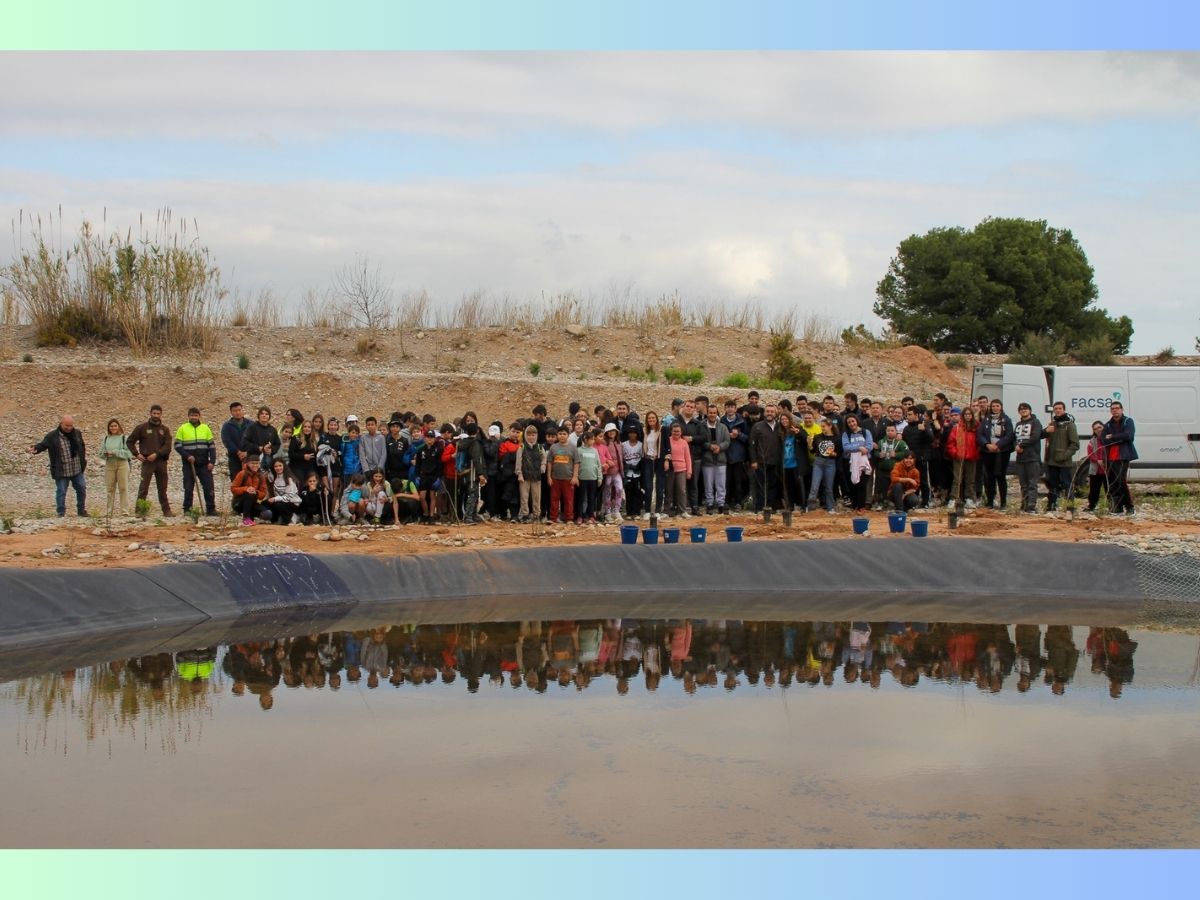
(145,544)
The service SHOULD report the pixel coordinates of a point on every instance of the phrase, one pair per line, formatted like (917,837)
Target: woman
(856,449)
(302,453)
(116,455)
(283,499)
(825,455)
(1097,470)
(654,476)
(795,461)
(995,438)
(962,449)
(578,427)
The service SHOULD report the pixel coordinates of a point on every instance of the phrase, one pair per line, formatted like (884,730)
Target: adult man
(713,462)
(920,446)
(1117,439)
(150,444)
(1062,443)
(694,432)
(766,459)
(198,452)
(626,420)
(233,434)
(68,461)
(739,443)
(1027,436)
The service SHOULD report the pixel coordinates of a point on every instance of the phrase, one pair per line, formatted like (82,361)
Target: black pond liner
(66,617)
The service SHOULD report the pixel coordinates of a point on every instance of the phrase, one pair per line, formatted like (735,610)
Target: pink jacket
(610,462)
(681,456)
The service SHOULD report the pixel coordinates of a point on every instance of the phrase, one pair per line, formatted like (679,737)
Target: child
(531,468)
(428,463)
(564,476)
(507,474)
(381,500)
(610,464)
(354,501)
(589,480)
(679,470)
(350,452)
(314,506)
(631,452)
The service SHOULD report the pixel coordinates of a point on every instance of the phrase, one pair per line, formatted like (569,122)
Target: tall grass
(262,311)
(157,290)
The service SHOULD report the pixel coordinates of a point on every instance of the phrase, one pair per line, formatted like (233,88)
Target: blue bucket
(733,534)
(629,534)
(896,522)
(698,535)
(861,524)
(670,535)
(920,528)
(649,535)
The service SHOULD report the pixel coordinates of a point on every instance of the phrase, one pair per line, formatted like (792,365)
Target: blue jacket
(983,436)
(738,446)
(1122,434)
(852,441)
(232,434)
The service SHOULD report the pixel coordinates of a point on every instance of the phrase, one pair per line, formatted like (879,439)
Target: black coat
(50,445)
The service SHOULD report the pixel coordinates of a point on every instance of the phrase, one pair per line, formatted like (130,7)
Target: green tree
(984,290)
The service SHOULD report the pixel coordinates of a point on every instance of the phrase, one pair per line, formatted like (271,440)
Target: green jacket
(1063,442)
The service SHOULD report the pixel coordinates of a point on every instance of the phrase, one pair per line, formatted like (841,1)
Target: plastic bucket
(733,534)
(896,522)
(920,528)
(629,534)
(698,535)
(649,535)
(861,524)
(670,535)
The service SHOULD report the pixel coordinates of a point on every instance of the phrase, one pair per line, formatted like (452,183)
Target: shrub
(1037,350)
(534,368)
(683,376)
(1165,355)
(956,361)
(784,366)
(1096,351)
(27,358)
(141,508)
(243,361)
(647,374)
(736,380)
(157,291)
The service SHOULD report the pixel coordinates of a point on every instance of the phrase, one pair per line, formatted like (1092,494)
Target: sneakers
(687,515)
(247,522)
(970,504)
(832,512)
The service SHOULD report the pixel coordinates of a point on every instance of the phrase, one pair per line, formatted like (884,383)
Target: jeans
(1028,473)
(823,474)
(60,494)
(714,484)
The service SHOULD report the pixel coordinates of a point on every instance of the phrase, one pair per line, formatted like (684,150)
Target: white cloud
(262,98)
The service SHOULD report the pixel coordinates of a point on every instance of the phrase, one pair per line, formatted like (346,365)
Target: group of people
(700,457)
(577,654)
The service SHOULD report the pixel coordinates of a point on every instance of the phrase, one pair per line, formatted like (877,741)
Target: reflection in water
(166,697)
(162,697)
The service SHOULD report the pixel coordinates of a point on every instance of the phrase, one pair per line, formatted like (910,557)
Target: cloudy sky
(782,178)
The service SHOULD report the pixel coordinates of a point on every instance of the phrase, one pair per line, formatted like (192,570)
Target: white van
(1163,401)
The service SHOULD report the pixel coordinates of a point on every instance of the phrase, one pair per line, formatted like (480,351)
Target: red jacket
(449,471)
(962,444)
